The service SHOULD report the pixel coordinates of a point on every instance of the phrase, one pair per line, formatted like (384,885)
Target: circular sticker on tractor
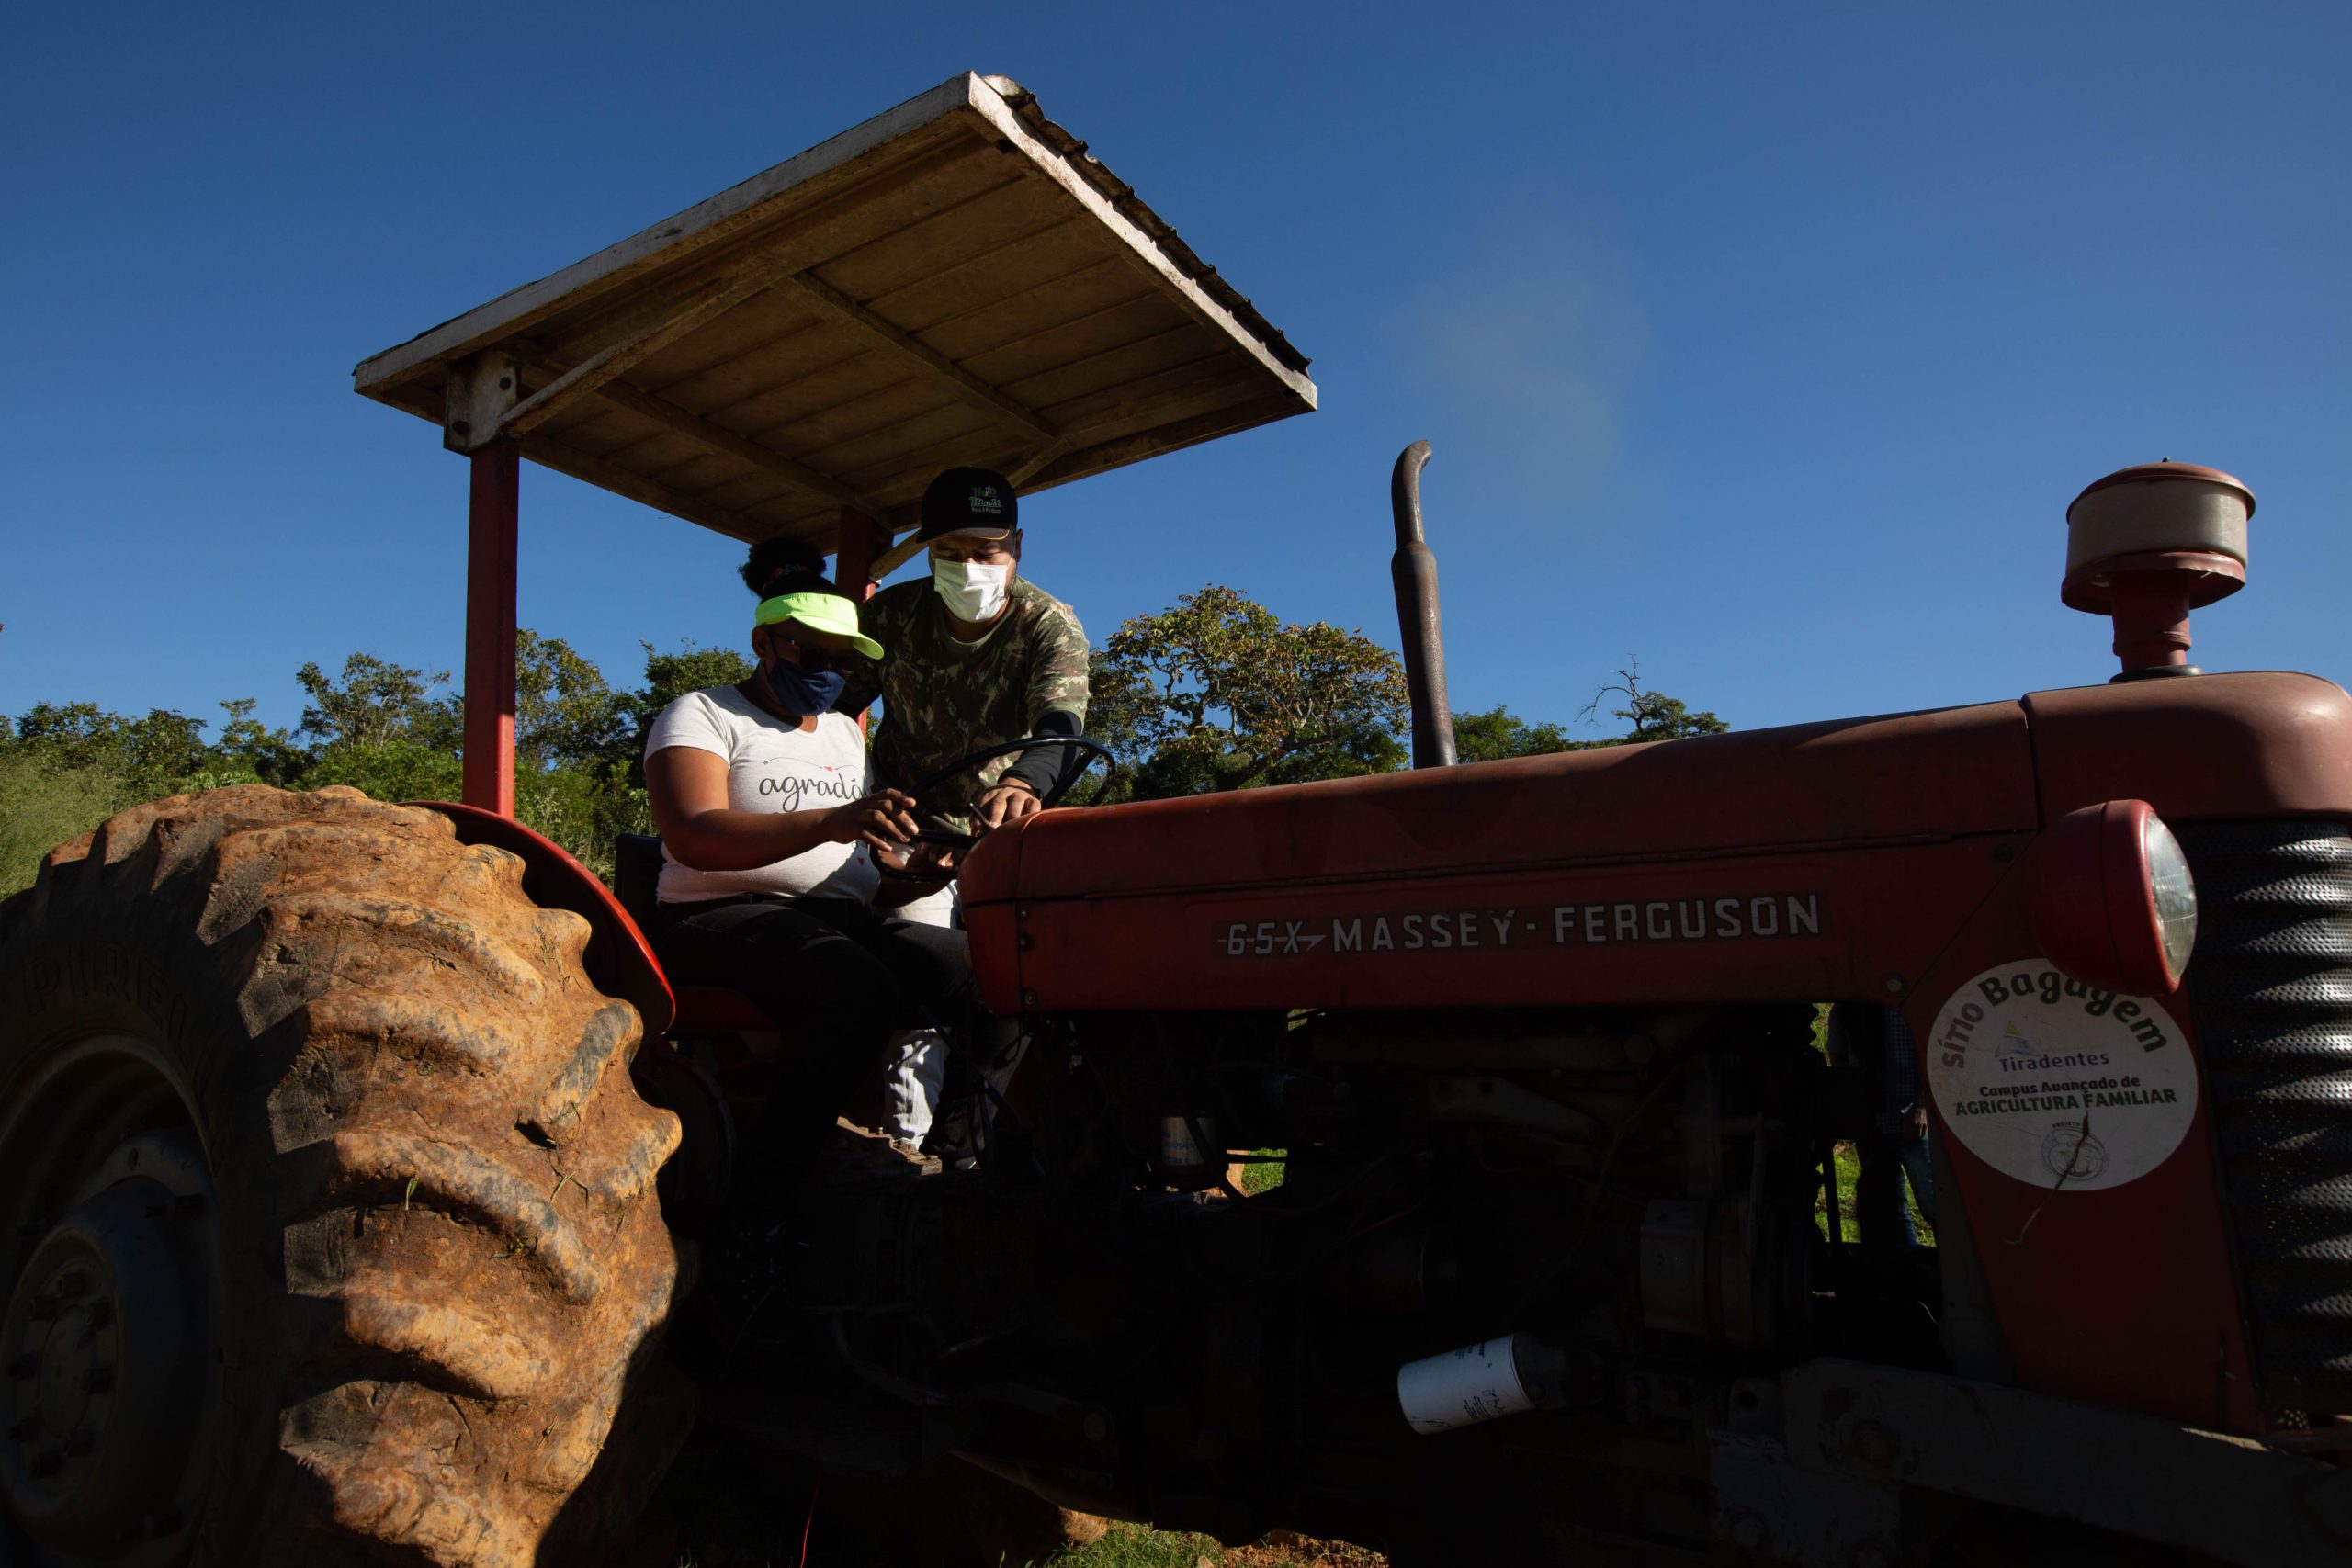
(2060,1084)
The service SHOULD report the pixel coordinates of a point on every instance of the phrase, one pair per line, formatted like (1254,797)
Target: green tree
(1499,733)
(566,715)
(580,777)
(148,756)
(375,702)
(1654,715)
(251,751)
(66,767)
(1217,693)
(669,676)
(390,729)
(397,769)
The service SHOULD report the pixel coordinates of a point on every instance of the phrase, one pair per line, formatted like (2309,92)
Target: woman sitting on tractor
(767,840)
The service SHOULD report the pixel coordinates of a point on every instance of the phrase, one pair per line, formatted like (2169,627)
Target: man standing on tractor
(978,657)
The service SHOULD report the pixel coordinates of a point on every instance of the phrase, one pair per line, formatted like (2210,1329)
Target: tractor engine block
(1640,1194)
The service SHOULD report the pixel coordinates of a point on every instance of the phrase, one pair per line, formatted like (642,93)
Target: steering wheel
(960,842)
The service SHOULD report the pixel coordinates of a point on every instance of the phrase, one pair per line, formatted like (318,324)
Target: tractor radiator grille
(2271,987)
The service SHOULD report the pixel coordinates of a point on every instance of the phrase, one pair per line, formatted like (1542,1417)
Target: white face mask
(971,592)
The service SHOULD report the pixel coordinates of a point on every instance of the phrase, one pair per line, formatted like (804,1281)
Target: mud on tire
(328,1231)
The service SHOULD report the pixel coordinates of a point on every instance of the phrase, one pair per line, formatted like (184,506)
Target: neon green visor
(820,613)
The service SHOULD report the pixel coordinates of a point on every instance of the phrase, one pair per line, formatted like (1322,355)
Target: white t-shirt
(770,767)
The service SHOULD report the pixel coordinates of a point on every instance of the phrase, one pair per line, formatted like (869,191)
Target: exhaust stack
(1413,568)
(2147,545)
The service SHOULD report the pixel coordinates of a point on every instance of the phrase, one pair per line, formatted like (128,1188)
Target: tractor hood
(1540,880)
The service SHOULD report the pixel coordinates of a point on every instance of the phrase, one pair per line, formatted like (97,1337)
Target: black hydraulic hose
(907,1389)
(983,1137)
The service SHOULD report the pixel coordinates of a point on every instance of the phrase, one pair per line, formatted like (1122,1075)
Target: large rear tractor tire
(327,1224)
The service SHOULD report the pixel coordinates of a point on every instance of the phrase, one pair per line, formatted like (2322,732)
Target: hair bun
(784,566)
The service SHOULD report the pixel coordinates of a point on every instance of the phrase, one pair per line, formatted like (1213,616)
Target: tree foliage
(1216,693)
(669,676)
(394,730)
(147,753)
(249,748)
(1499,733)
(375,701)
(1654,715)
(566,715)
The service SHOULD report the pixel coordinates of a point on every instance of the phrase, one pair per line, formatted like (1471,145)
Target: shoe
(857,1156)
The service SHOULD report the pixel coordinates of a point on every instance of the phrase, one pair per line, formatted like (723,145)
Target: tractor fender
(619,959)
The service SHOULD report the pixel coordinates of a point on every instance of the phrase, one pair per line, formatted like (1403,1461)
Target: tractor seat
(715,1010)
(702,1010)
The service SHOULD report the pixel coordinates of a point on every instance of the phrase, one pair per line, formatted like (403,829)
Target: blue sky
(1765,343)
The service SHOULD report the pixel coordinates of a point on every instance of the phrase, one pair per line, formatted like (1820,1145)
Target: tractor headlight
(2172,890)
(2111,900)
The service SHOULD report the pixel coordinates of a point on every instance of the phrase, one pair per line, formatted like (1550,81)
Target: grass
(1850,1169)
(1138,1546)
(1265,1177)
(736,1508)
(41,805)
(1133,1546)
(778,1541)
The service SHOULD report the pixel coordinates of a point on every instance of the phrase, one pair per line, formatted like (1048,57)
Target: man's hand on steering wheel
(884,820)
(937,850)
(1003,804)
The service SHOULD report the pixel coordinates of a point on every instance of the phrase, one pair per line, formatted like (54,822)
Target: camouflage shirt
(943,699)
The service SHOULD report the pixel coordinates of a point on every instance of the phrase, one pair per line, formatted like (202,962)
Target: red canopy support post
(858,541)
(492,512)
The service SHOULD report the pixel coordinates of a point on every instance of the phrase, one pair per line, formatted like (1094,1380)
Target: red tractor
(334,1134)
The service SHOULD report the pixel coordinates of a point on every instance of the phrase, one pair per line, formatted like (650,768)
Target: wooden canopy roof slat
(954,281)
(972,280)
(645,405)
(971,308)
(608,363)
(975,228)
(782,371)
(636,487)
(842,308)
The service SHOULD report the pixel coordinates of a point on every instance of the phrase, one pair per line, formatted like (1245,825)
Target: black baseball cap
(975,501)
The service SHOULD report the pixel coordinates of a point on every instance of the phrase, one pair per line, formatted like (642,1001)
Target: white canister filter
(1460,1388)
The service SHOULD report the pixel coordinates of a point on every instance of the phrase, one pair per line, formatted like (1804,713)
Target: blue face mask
(805,693)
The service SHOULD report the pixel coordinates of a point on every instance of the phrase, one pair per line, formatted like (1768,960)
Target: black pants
(1881,1212)
(836,979)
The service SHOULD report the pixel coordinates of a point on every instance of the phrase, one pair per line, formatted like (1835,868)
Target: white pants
(916,1068)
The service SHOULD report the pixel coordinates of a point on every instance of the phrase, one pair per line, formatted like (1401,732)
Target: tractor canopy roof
(956,281)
